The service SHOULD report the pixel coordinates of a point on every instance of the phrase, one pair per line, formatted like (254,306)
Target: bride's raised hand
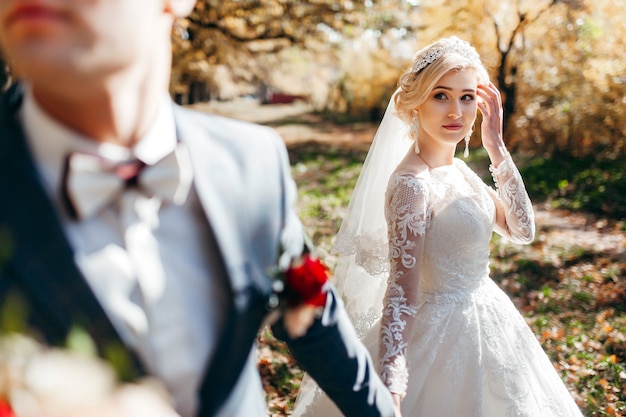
(490,105)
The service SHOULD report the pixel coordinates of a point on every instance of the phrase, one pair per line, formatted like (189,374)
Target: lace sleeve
(515,218)
(407,214)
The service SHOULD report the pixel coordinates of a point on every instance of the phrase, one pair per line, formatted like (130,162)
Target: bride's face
(450,110)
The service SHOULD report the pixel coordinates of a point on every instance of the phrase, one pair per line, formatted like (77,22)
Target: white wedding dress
(447,337)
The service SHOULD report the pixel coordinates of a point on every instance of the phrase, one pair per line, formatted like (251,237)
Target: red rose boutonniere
(305,282)
(302,289)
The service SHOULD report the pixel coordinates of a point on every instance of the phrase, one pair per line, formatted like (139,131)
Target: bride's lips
(32,13)
(453,126)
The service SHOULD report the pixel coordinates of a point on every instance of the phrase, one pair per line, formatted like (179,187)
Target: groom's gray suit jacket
(242,179)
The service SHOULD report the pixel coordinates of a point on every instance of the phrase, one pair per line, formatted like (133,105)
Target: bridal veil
(361,273)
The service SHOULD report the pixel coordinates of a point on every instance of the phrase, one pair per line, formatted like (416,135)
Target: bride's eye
(440,96)
(467,97)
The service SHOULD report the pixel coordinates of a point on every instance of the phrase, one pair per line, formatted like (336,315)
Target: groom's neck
(119,115)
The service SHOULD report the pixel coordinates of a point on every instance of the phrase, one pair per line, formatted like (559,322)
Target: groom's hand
(299,319)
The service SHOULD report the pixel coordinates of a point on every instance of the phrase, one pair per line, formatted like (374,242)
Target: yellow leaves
(604,383)
(611,397)
(612,359)
(605,314)
(590,354)
(280,375)
(611,411)
(552,334)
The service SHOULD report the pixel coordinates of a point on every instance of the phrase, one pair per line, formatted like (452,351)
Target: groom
(153,228)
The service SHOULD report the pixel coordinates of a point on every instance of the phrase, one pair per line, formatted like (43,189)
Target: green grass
(582,184)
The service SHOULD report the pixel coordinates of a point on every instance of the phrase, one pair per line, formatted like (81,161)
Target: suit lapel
(216,180)
(41,262)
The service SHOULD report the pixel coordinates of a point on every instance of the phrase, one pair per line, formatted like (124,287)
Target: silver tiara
(455,45)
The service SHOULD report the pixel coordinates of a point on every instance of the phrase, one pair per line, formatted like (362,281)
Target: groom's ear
(179,8)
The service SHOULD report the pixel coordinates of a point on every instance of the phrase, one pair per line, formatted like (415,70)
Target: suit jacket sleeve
(331,351)
(335,358)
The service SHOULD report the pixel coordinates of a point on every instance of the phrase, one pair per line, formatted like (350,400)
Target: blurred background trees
(559,63)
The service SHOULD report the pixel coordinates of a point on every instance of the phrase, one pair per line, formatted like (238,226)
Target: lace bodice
(440,223)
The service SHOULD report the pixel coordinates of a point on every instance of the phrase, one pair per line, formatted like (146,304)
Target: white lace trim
(518,207)
(370,251)
(393,345)
(363,322)
(407,216)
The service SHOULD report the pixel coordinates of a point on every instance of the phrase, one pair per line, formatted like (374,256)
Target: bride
(413,265)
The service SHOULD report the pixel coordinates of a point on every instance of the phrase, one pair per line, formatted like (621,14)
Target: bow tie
(91,182)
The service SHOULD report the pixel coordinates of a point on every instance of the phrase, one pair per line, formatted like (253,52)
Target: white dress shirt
(174,331)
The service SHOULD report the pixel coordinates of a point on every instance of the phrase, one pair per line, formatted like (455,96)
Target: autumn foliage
(559,63)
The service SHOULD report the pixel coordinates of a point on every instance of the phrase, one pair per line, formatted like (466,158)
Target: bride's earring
(467,141)
(414,131)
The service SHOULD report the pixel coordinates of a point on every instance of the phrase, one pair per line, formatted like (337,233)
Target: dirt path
(565,228)
(296,123)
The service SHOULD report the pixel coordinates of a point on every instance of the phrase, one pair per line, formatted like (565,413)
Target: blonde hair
(428,66)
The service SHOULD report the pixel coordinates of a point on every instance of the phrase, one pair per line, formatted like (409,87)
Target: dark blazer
(241,175)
